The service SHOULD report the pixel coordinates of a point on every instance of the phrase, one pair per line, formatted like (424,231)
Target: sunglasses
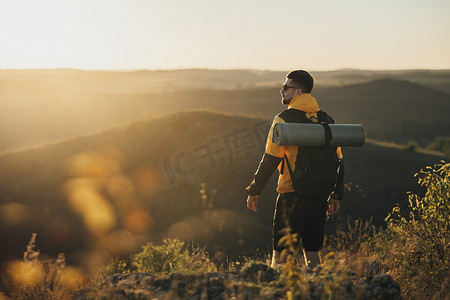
(285,87)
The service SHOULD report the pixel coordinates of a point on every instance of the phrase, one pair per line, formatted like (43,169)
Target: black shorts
(305,215)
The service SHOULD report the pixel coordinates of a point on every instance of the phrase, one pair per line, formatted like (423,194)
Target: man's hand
(252,202)
(333,206)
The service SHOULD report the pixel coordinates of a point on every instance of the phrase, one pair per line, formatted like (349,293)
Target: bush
(171,257)
(421,235)
(411,146)
(441,144)
(116,266)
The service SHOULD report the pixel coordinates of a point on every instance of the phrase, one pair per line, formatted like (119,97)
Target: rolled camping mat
(313,135)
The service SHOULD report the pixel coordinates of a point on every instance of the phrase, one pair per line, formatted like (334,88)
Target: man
(303,211)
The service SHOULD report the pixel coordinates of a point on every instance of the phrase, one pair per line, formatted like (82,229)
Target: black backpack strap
(289,167)
(324,120)
(328,135)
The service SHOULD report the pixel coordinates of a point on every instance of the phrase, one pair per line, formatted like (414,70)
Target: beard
(285,101)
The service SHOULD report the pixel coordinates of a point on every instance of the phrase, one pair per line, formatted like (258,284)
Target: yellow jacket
(304,102)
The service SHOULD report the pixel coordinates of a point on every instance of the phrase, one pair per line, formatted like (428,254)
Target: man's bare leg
(275,259)
(312,258)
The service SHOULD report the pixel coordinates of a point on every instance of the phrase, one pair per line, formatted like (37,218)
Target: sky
(232,34)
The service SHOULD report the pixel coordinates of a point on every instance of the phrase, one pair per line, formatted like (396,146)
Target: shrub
(421,235)
(411,146)
(171,257)
(116,266)
(441,144)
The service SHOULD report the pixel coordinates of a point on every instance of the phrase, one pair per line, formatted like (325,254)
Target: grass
(177,271)
(353,263)
(34,278)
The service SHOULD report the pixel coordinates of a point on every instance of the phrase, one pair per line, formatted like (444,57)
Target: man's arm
(266,168)
(271,159)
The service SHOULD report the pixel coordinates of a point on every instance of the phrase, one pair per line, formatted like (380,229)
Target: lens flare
(94,164)
(97,213)
(24,273)
(138,221)
(72,277)
(147,181)
(121,242)
(13,214)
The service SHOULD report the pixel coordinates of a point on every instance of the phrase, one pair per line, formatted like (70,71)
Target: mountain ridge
(410,111)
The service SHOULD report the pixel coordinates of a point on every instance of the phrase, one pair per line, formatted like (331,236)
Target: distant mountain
(41,106)
(390,109)
(144,81)
(180,175)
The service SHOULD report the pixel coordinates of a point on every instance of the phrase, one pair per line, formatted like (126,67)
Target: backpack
(316,168)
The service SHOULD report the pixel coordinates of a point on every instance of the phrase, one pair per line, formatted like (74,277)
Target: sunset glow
(149,34)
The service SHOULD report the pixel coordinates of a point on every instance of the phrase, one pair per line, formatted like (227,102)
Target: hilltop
(180,175)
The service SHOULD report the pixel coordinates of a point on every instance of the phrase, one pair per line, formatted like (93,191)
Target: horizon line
(125,70)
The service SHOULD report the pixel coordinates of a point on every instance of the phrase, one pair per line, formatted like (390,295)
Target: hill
(181,175)
(41,106)
(390,109)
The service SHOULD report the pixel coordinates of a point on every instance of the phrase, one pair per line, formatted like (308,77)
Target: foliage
(116,266)
(412,146)
(441,144)
(421,235)
(171,257)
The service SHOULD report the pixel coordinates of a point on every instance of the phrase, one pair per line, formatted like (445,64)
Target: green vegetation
(347,274)
(414,248)
(441,144)
(171,257)
(421,236)
(411,146)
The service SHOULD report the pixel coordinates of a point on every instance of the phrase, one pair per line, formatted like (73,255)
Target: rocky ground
(254,282)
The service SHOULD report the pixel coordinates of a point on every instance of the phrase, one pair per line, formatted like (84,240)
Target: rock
(255,281)
(215,289)
(382,286)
